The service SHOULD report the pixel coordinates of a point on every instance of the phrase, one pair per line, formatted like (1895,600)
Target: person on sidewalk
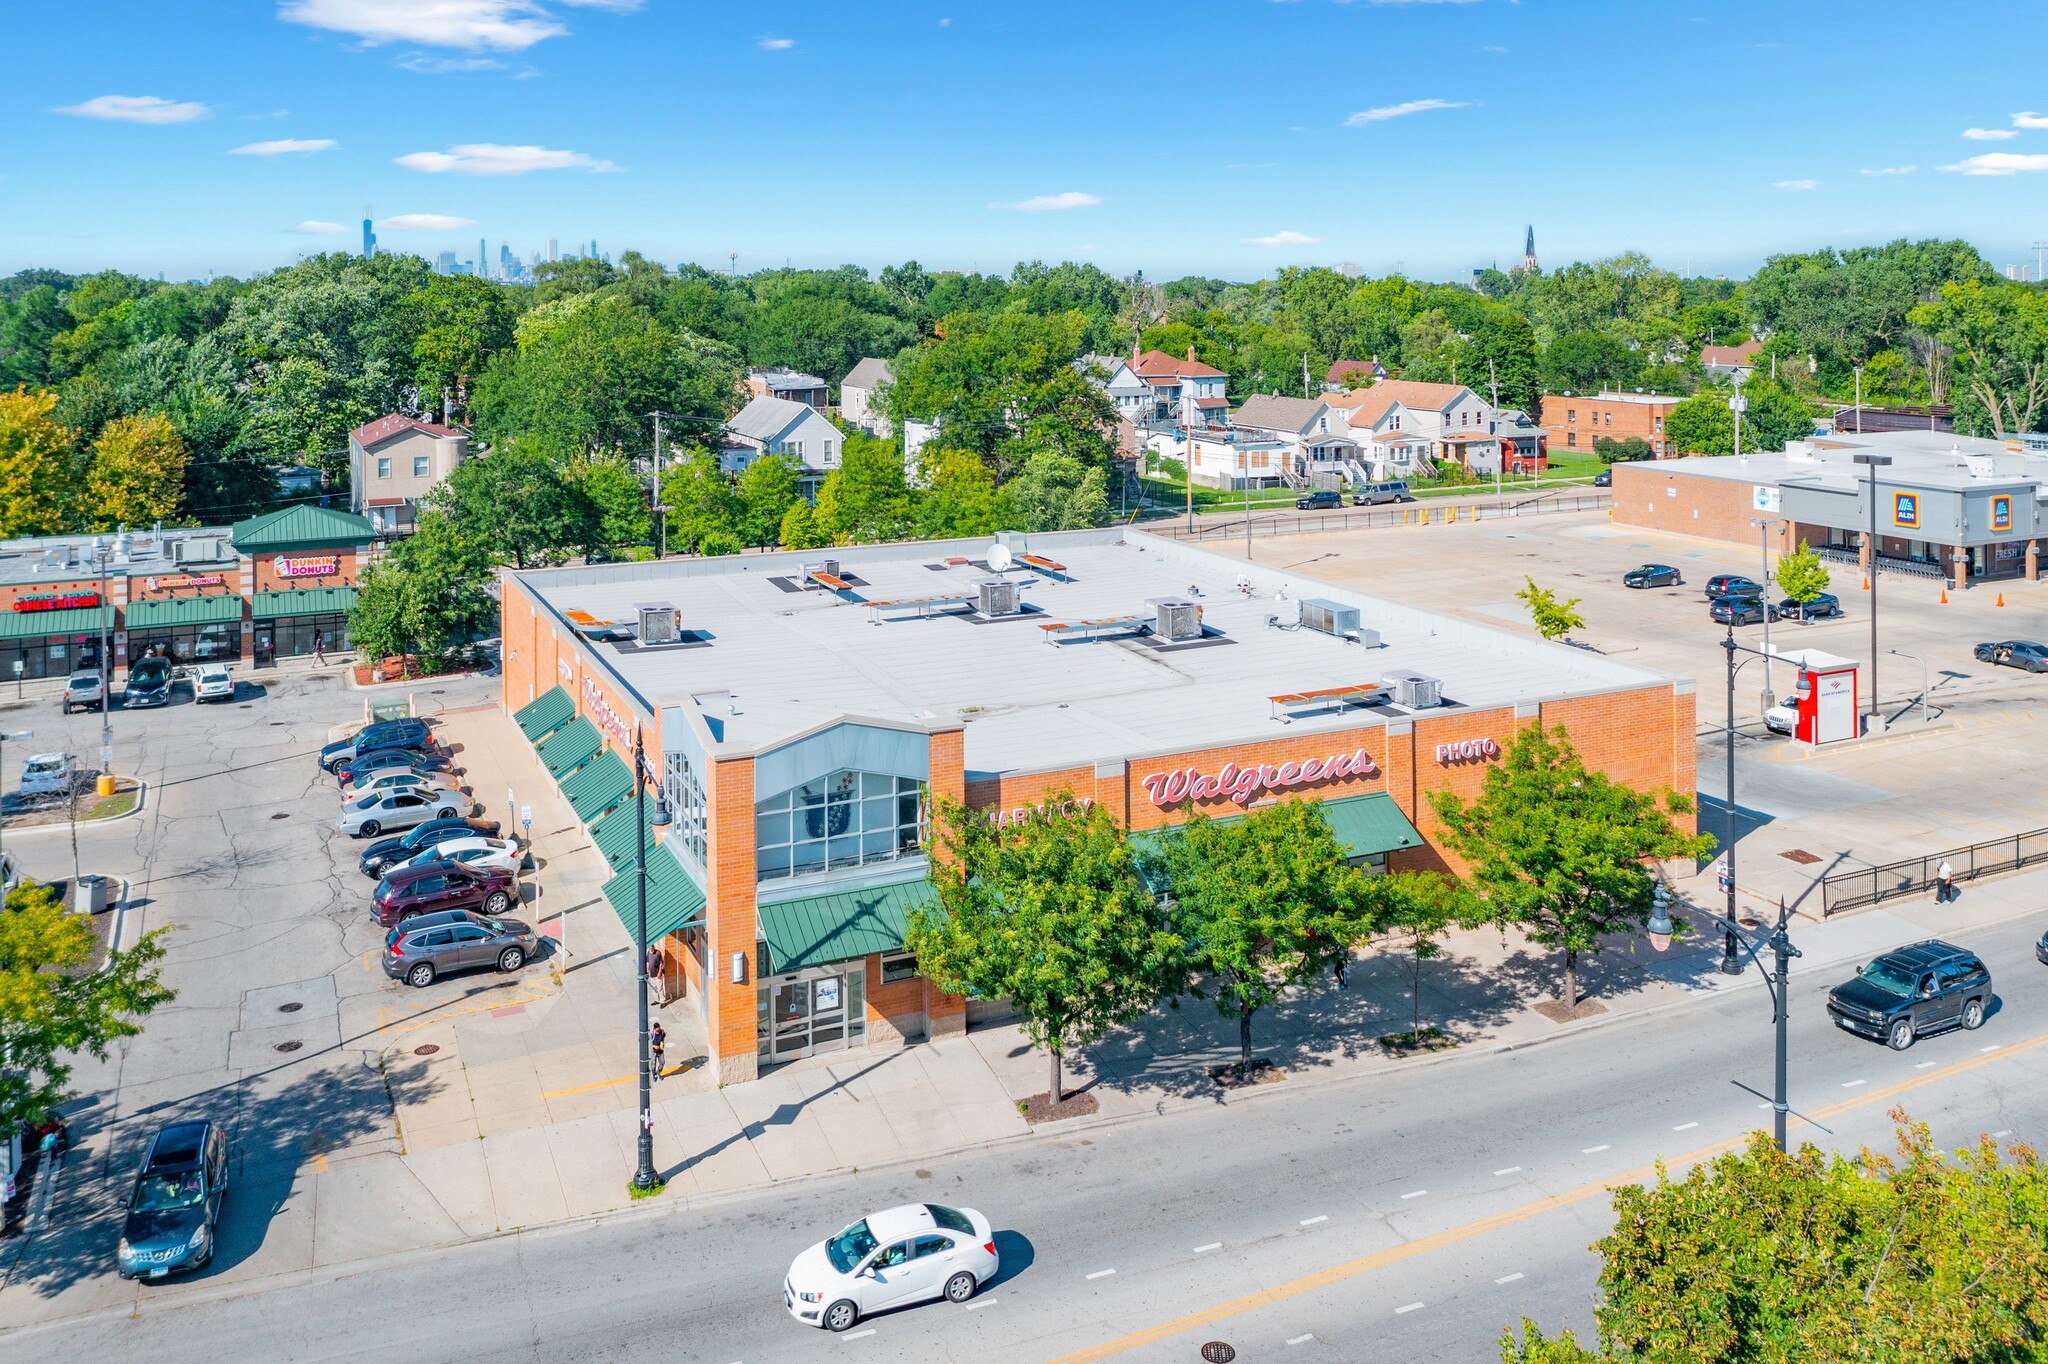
(319,660)
(1946,877)
(657,1045)
(654,981)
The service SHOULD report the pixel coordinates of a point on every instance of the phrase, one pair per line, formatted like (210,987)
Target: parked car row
(1364,495)
(393,776)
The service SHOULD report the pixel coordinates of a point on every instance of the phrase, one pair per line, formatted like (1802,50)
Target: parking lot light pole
(1924,677)
(1763,526)
(1872,463)
(1731,965)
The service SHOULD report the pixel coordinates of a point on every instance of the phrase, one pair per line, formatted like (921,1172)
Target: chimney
(1191,350)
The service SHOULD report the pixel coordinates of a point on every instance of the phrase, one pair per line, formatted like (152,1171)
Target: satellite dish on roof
(999,558)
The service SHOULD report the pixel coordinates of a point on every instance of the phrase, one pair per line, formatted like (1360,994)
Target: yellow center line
(1336,1273)
(607,1084)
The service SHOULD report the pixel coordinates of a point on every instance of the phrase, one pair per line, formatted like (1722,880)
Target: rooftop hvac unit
(205,549)
(998,597)
(657,623)
(828,567)
(1332,618)
(1417,691)
(1178,618)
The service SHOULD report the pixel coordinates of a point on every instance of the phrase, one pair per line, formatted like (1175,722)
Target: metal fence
(1852,889)
(1886,563)
(1216,526)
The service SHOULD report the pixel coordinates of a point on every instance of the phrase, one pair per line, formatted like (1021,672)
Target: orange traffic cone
(1866,582)
(2001,599)
(1944,596)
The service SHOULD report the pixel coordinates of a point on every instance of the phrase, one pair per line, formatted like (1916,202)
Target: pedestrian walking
(1947,877)
(319,661)
(654,980)
(1344,972)
(657,1043)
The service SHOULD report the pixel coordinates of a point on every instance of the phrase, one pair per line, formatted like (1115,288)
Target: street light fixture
(1872,463)
(1738,405)
(1753,941)
(1731,965)
(644,1177)
(1763,526)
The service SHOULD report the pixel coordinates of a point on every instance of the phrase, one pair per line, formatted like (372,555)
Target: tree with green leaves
(54,1006)
(1264,903)
(613,487)
(426,597)
(1552,618)
(458,322)
(35,458)
(521,507)
(767,489)
(1999,333)
(865,500)
(1705,425)
(1425,908)
(1055,492)
(1625,451)
(700,500)
(1048,912)
(1801,575)
(800,528)
(959,498)
(1780,1258)
(137,474)
(1562,852)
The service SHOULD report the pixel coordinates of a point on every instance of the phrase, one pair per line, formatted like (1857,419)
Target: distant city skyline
(973,141)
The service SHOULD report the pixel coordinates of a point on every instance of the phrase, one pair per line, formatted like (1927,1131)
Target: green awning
(569,747)
(76,620)
(613,834)
(311,601)
(674,900)
(303,526)
(544,714)
(598,787)
(1363,826)
(843,924)
(158,615)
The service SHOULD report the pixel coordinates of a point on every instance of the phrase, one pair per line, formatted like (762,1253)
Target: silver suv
(83,691)
(431,945)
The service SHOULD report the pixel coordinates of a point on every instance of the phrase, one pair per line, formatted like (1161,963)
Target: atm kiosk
(1826,697)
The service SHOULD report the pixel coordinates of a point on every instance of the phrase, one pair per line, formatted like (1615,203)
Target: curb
(141,802)
(120,913)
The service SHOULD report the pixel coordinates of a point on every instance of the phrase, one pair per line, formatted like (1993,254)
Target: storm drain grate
(1800,855)
(289,1047)
(427,1050)
(290,1008)
(282,814)
(1217,1352)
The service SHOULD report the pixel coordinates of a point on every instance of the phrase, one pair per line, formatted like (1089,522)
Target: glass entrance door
(805,1017)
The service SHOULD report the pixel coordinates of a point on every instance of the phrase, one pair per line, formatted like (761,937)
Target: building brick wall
(68,587)
(347,563)
(730,1009)
(1656,497)
(1571,423)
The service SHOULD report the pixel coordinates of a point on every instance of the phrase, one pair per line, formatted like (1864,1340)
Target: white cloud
(1989,134)
(488,158)
(1795,184)
(136,109)
(1055,203)
(1493,47)
(423,222)
(427,65)
(1888,170)
(315,227)
(2030,120)
(770,43)
(285,146)
(1284,239)
(1413,106)
(499,25)
(2000,163)
(945,23)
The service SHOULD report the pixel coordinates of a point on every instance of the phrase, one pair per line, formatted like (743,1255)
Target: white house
(1226,459)
(1113,374)
(1407,425)
(777,426)
(857,397)
(1321,448)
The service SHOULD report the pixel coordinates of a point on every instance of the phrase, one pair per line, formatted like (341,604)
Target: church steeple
(1529,251)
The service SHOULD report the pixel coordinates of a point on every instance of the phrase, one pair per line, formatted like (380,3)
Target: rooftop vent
(999,597)
(657,622)
(1417,691)
(828,567)
(1178,618)
(1331,618)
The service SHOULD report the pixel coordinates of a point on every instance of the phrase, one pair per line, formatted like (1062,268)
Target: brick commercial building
(1947,506)
(800,711)
(1574,423)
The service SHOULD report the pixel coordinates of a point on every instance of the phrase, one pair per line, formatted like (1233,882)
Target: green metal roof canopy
(307,601)
(613,834)
(158,615)
(544,714)
(304,526)
(598,787)
(569,747)
(843,924)
(75,620)
(674,900)
(1363,825)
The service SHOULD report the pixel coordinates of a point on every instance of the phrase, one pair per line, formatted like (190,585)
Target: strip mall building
(803,708)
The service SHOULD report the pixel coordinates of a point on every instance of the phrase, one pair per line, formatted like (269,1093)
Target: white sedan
(405,779)
(888,1259)
(494,854)
(213,682)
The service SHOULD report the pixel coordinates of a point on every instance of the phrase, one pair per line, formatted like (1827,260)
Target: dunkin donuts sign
(1168,789)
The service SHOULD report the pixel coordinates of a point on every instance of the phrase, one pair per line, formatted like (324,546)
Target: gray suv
(430,945)
(174,1208)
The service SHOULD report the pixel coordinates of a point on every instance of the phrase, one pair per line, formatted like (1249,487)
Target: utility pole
(1499,456)
(661,519)
(1304,376)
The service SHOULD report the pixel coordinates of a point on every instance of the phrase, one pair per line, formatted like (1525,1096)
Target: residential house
(1184,392)
(1407,425)
(1219,458)
(395,461)
(780,381)
(857,397)
(1732,363)
(1575,423)
(1321,449)
(777,426)
(1349,374)
(1130,395)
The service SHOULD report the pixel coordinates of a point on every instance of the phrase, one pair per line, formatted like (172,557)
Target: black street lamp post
(644,1177)
(1872,463)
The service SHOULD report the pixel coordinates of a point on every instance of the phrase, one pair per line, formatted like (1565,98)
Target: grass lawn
(108,807)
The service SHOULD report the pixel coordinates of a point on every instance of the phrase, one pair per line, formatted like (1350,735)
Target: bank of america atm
(1825,698)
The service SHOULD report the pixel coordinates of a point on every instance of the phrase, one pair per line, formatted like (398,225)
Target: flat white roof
(797,658)
(1929,459)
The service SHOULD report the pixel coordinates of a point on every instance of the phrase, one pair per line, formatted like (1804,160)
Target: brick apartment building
(1573,422)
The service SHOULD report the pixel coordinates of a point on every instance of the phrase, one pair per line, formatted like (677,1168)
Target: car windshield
(850,1247)
(1887,978)
(161,1193)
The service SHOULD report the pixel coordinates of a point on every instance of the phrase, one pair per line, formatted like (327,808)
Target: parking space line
(985,1302)
(1213,1245)
(1411,1307)
(1298,1340)
(2006,1133)
(1511,1170)
(1685,1127)
(1508,1278)
(1419,1193)
(1594,1150)
(1311,1221)
(1102,1273)
(1992,1047)
(1851,1084)
(856,1335)
(1926,1065)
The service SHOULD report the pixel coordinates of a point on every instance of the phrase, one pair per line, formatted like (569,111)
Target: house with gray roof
(1320,449)
(857,397)
(776,426)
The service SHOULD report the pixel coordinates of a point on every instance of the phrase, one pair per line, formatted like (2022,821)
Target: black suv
(1320,500)
(174,1209)
(1928,987)
(408,733)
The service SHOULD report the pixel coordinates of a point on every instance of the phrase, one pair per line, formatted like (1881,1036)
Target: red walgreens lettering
(1240,784)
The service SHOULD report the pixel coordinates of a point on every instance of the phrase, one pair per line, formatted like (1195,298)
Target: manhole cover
(289,1046)
(245,706)
(1801,856)
(1216,1352)
(275,723)
(290,1008)
(428,1050)
(438,691)
(282,814)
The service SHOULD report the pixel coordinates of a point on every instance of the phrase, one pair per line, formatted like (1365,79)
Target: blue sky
(1221,137)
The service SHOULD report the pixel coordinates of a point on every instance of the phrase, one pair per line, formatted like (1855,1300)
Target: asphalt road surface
(1410,1217)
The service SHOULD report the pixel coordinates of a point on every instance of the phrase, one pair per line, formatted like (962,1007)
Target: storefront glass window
(848,819)
(51,656)
(190,643)
(684,786)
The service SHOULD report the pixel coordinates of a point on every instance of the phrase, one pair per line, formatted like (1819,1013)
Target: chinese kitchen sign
(320,567)
(71,602)
(1168,789)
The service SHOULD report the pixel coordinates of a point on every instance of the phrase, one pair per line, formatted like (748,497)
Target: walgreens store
(801,710)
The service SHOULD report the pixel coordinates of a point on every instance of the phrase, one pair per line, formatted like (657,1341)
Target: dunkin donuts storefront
(801,712)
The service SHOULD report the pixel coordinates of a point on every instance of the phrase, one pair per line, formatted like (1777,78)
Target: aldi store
(800,711)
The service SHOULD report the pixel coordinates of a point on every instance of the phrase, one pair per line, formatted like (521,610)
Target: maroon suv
(433,886)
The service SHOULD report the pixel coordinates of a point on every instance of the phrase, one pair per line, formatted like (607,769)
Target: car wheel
(841,1315)
(960,1287)
(1900,1035)
(1973,1014)
(496,902)
(511,959)
(371,828)
(420,975)
(448,813)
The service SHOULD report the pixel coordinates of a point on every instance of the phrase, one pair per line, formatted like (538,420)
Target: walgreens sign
(1168,789)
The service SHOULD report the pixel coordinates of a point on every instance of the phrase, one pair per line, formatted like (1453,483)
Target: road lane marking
(985,1302)
(1685,1127)
(1311,1221)
(2006,1133)
(1297,1340)
(1337,1273)
(1507,1278)
(1411,1307)
(1419,1193)
(1511,1170)
(1851,1084)
(1926,1065)
(1213,1245)
(1102,1273)
(1594,1150)
(856,1335)
(1992,1047)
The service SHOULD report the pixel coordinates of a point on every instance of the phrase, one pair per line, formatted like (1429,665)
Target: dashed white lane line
(1925,1065)
(1411,1307)
(985,1302)
(1511,1170)
(2006,1133)
(1204,1250)
(1507,1278)
(1993,1047)
(1685,1127)
(1851,1084)
(856,1335)
(1419,1193)
(1311,1221)
(1594,1150)
(1298,1340)
(1102,1273)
